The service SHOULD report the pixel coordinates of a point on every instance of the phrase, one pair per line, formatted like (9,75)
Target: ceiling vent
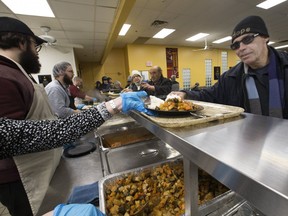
(159,23)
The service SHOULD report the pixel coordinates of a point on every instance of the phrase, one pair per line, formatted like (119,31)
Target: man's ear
(22,45)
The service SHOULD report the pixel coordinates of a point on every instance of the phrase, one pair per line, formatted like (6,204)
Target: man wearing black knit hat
(259,82)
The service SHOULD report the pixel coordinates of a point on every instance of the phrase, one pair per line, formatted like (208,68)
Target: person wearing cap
(60,99)
(158,85)
(136,82)
(259,83)
(105,87)
(22,98)
(28,165)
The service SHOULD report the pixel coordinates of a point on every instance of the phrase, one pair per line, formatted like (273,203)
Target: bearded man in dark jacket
(259,82)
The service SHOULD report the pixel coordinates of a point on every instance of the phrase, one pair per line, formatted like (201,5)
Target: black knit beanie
(251,24)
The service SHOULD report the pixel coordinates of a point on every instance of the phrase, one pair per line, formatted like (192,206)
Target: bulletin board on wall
(172,62)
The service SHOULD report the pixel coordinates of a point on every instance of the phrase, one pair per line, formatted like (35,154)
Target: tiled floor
(3,211)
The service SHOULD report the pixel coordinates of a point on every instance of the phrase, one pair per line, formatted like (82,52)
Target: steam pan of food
(124,134)
(158,189)
(138,155)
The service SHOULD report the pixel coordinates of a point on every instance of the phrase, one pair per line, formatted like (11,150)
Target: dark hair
(10,40)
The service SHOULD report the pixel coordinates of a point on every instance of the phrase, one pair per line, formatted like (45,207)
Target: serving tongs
(198,115)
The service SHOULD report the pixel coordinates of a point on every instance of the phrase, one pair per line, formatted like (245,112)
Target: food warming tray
(124,134)
(218,205)
(138,155)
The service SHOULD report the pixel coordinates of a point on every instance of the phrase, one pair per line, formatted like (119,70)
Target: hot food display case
(248,154)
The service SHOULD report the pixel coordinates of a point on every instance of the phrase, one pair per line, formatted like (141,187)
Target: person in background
(117,86)
(158,86)
(175,84)
(23,179)
(76,93)
(60,99)
(129,81)
(136,82)
(110,82)
(98,85)
(259,83)
(105,87)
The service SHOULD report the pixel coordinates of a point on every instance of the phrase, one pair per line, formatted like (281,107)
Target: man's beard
(67,80)
(30,61)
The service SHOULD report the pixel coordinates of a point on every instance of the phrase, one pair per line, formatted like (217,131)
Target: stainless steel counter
(248,154)
(70,173)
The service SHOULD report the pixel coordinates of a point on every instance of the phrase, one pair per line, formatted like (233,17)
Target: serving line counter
(248,154)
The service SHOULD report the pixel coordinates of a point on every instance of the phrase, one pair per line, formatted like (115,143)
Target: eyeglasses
(246,40)
(37,47)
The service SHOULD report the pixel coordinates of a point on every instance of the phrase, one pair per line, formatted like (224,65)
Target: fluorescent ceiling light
(269,3)
(163,33)
(124,29)
(222,40)
(271,42)
(280,47)
(30,7)
(197,37)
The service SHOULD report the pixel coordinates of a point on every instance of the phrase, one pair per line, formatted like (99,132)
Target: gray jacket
(59,99)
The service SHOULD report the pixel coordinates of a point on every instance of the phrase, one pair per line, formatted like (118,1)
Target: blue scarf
(276,91)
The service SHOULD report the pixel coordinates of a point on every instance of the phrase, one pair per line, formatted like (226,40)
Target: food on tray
(154,102)
(126,195)
(172,103)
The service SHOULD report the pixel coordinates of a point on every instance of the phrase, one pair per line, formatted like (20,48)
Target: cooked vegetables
(130,193)
(176,105)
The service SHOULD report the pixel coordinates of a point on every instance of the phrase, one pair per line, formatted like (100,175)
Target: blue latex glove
(132,101)
(94,99)
(77,209)
(80,106)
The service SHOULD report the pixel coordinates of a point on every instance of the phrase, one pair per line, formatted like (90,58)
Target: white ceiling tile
(101,36)
(107,3)
(88,2)
(66,10)
(77,25)
(105,14)
(103,27)
(80,35)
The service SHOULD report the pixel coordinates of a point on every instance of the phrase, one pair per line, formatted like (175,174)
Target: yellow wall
(120,63)
(114,67)
(138,55)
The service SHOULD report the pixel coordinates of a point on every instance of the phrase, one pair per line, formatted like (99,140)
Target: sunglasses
(246,40)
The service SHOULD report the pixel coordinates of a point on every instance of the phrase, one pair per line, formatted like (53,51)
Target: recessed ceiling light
(124,29)
(163,33)
(271,42)
(269,3)
(30,7)
(197,37)
(222,40)
(280,47)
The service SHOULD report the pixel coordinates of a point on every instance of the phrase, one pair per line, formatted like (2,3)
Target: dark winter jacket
(230,88)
